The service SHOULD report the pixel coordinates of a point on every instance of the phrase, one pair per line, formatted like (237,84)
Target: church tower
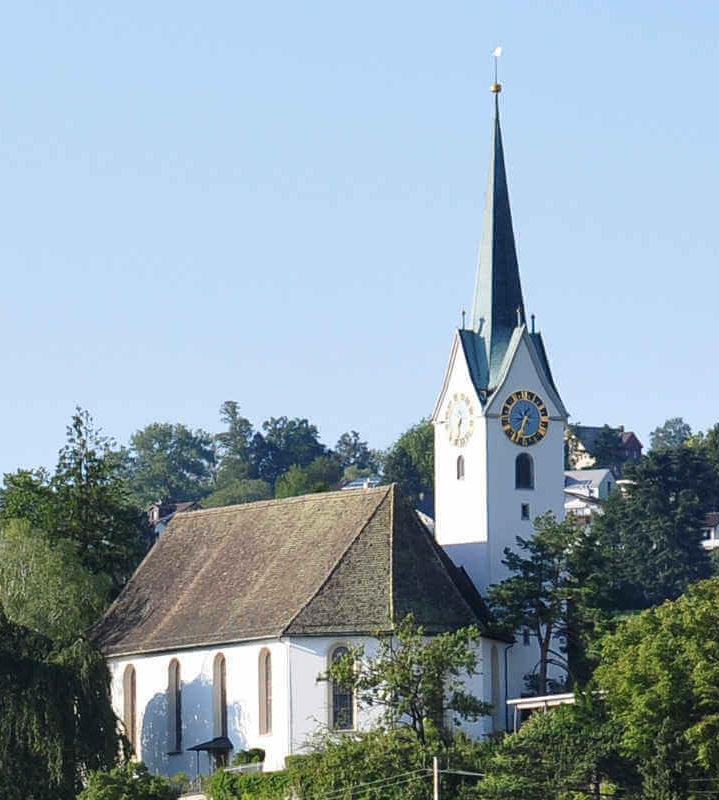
(499,420)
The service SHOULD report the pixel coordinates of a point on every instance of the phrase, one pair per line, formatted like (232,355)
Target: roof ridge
(387,489)
(301,498)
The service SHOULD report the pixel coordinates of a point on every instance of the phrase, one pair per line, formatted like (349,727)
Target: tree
(572,749)
(650,532)
(93,504)
(319,476)
(284,442)
(238,492)
(86,501)
(27,494)
(171,462)
(410,462)
(660,673)
(415,681)
(673,433)
(351,451)
(536,595)
(608,449)
(44,586)
(233,446)
(56,720)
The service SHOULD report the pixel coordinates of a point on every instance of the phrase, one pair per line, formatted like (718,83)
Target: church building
(223,635)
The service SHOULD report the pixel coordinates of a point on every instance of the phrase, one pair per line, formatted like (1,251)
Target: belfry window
(524,472)
(129,705)
(174,707)
(265,675)
(342,709)
(460,468)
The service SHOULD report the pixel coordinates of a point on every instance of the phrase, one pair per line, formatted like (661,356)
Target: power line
(390,780)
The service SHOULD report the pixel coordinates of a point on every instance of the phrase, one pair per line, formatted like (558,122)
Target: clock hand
(525,420)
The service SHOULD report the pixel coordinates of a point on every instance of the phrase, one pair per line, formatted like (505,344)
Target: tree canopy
(414,678)
(56,721)
(673,433)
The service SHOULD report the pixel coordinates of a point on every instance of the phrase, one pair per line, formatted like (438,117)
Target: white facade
(479,509)
(482,513)
(301,700)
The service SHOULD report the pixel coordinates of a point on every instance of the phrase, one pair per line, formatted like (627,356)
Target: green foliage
(351,451)
(536,595)
(384,765)
(255,755)
(608,449)
(56,721)
(257,786)
(572,751)
(171,462)
(44,586)
(27,495)
(319,476)
(650,533)
(86,502)
(416,681)
(233,446)
(236,492)
(660,673)
(131,781)
(410,462)
(673,433)
(284,442)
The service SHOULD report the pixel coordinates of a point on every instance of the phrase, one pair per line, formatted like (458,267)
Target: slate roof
(498,291)
(589,478)
(345,562)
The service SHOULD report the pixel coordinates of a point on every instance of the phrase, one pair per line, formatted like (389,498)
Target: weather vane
(496,86)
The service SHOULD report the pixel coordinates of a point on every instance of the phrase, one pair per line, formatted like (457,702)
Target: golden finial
(496,87)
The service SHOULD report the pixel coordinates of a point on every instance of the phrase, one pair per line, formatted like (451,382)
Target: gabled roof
(589,478)
(322,564)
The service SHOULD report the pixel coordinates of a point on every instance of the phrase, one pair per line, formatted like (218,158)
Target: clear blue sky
(280,203)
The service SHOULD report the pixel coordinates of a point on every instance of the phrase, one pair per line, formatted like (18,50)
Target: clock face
(460,419)
(524,417)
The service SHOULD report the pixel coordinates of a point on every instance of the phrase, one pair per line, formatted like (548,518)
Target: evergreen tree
(650,532)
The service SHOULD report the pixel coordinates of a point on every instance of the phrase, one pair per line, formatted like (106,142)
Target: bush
(129,782)
(255,755)
(257,786)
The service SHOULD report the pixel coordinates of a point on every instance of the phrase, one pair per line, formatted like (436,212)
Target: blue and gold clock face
(524,417)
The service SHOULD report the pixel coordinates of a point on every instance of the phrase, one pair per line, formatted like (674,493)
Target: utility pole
(435,776)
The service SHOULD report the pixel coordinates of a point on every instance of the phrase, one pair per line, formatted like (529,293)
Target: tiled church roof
(333,563)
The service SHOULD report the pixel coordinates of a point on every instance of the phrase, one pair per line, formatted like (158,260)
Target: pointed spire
(498,306)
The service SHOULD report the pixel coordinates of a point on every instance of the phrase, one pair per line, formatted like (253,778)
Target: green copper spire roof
(498,293)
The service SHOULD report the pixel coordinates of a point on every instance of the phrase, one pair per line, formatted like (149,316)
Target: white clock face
(460,419)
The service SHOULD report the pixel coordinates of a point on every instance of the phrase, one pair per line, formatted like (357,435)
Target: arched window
(524,472)
(265,676)
(342,709)
(460,468)
(174,707)
(219,695)
(129,703)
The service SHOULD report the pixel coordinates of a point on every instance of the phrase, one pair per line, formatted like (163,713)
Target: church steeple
(498,306)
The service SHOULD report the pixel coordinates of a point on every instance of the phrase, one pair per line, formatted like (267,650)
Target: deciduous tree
(415,680)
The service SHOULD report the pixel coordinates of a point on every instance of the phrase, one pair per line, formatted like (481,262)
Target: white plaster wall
(196,668)
(459,517)
(309,659)
(478,517)
(504,500)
